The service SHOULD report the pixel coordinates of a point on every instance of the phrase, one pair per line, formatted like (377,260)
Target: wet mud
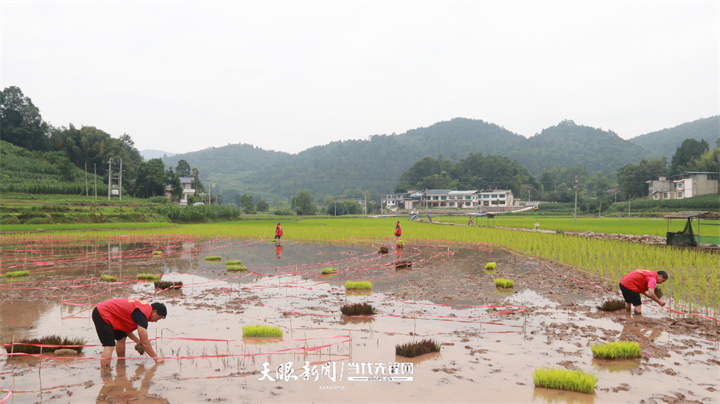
(491,339)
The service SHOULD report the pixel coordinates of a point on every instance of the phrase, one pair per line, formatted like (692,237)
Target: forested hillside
(377,163)
(665,142)
(568,144)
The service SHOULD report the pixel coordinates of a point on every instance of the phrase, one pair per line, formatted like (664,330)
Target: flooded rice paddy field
(491,340)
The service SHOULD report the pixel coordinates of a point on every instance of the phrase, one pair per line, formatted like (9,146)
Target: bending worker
(641,281)
(116,319)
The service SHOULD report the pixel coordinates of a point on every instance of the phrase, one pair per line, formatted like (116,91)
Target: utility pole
(109,177)
(120,180)
(576,189)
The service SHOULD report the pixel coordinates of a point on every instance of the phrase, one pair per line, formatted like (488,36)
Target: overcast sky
(182,76)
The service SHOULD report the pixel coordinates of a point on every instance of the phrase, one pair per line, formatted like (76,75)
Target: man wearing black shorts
(116,319)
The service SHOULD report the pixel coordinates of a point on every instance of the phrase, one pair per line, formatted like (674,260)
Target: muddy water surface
(491,340)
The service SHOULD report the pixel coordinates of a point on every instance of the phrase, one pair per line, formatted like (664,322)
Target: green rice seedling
(612,305)
(213,258)
(108,278)
(149,277)
(617,350)
(358,285)
(236,268)
(658,292)
(233,262)
(29,345)
(259,330)
(504,283)
(413,349)
(16,274)
(401,243)
(168,284)
(328,271)
(563,379)
(491,265)
(358,309)
(156,253)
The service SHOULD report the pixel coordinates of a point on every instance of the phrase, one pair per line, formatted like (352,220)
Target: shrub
(504,283)
(259,330)
(563,379)
(357,309)
(413,349)
(617,350)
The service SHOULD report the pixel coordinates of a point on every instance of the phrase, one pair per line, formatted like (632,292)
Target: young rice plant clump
(413,349)
(17,274)
(491,265)
(617,350)
(504,283)
(149,277)
(30,345)
(563,379)
(612,305)
(213,258)
(260,330)
(108,278)
(358,285)
(236,268)
(358,309)
(328,271)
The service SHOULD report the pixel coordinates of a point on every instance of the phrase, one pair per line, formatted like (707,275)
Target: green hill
(665,142)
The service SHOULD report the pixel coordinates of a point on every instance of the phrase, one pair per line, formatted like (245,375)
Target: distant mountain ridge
(665,142)
(377,162)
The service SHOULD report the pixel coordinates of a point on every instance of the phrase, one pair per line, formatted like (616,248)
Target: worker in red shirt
(398,231)
(278,232)
(641,281)
(116,319)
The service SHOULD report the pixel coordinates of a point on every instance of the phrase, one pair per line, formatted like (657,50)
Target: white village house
(446,198)
(684,185)
(187,190)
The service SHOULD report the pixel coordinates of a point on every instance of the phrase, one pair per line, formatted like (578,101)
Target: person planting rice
(641,281)
(278,232)
(398,231)
(116,319)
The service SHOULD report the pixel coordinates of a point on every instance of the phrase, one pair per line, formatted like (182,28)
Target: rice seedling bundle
(413,349)
(491,265)
(612,305)
(213,258)
(236,268)
(358,285)
(16,274)
(617,350)
(168,284)
(29,345)
(328,270)
(156,253)
(563,379)
(149,277)
(504,283)
(658,292)
(108,278)
(358,309)
(233,262)
(383,250)
(260,330)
